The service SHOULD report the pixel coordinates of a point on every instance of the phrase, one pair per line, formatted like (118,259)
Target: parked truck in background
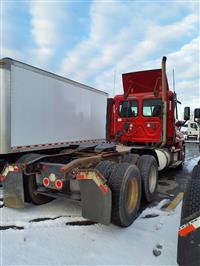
(52,141)
(191,130)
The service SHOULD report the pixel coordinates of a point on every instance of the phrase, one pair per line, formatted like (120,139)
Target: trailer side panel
(44,110)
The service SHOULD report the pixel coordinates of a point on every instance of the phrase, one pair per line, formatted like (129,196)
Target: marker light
(58,184)
(52,177)
(46,182)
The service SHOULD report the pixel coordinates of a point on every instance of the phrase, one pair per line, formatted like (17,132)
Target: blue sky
(89,41)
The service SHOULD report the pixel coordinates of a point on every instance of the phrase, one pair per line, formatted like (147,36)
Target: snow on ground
(50,241)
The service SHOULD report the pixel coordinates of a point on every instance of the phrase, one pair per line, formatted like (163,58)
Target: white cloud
(46,29)
(122,39)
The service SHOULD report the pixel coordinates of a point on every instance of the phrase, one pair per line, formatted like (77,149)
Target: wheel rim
(132,195)
(152,179)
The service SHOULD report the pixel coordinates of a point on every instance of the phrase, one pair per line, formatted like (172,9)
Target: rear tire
(125,184)
(149,173)
(106,168)
(130,158)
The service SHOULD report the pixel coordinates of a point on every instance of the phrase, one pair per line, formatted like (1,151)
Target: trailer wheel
(130,158)
(190,211)
(149,173)
(105,168)
(125,184)
(196,172)
(30,183)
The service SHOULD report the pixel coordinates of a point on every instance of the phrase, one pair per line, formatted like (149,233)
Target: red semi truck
(109,179)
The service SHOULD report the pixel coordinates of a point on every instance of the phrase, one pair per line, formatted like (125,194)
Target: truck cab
(136,117)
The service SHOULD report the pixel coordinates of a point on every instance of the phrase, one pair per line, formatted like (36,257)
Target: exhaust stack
(164,102)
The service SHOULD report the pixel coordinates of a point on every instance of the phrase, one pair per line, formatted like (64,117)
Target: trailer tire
(196,172)
(149,173)
(125,184)
(130,158)
(30,183)
(190,211)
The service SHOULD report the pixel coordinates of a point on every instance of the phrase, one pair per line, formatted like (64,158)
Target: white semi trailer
(40,110)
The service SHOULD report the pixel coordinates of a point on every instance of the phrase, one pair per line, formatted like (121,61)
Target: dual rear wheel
(128,184)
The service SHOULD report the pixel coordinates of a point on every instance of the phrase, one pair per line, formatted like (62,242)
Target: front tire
(125,184)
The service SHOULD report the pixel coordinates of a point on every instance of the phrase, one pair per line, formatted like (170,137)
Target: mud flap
(96,200)
(13,190)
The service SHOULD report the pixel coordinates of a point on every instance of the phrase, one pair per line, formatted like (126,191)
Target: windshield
(128,108)
(152,107)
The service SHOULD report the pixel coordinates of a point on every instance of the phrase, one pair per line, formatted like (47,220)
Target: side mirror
(197,114)
(187,113)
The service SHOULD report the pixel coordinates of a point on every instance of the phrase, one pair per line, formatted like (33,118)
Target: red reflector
(103,188)
(46,182)
(58,184)
(78,177)
(186,230)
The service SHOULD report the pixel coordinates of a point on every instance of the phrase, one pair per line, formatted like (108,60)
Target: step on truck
(57,140)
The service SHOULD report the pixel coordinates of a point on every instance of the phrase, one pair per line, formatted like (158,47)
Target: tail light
(59,184)
(46,182)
